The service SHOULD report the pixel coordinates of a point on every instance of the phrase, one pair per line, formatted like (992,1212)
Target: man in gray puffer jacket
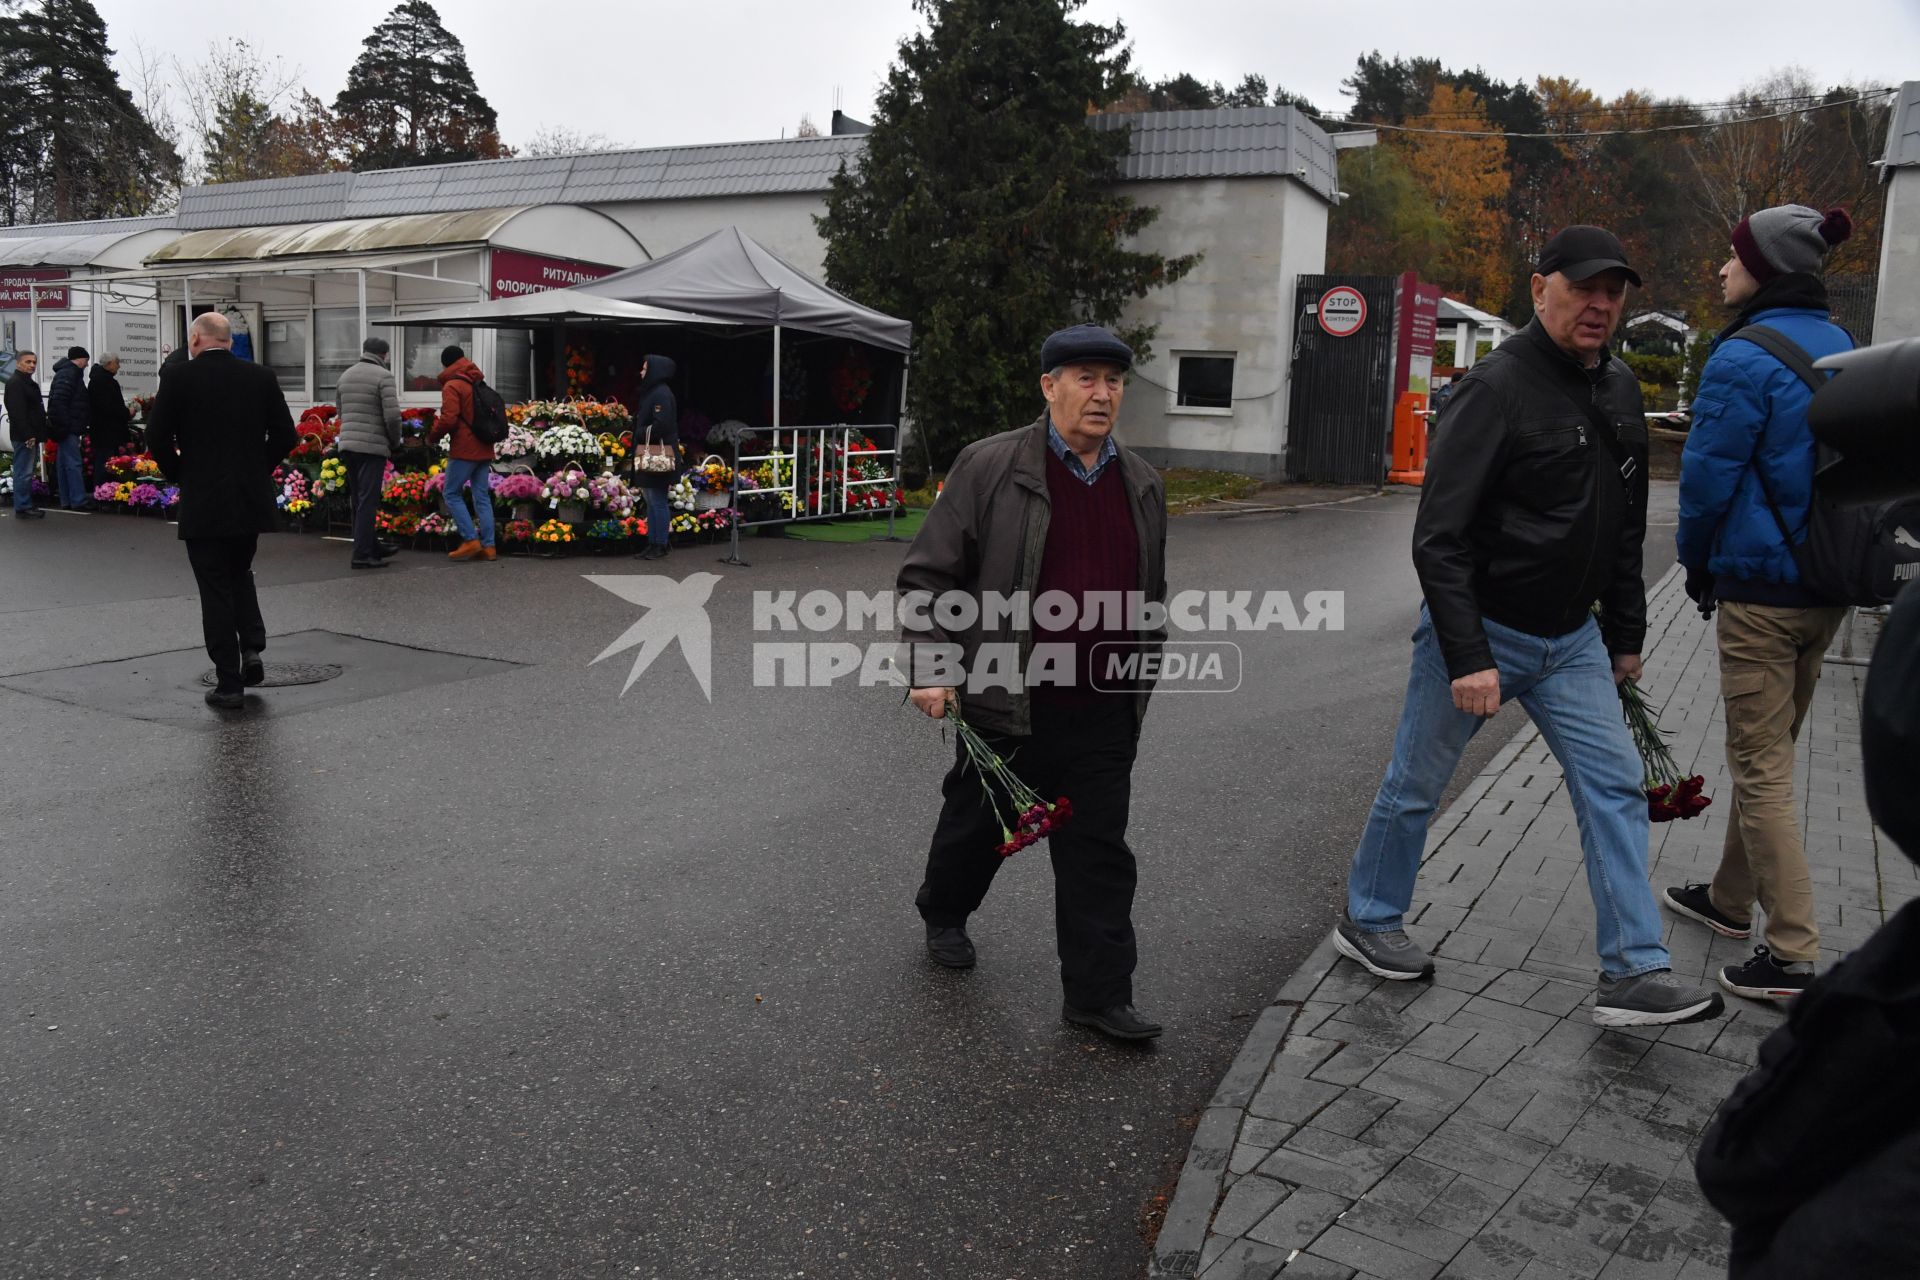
(369,433)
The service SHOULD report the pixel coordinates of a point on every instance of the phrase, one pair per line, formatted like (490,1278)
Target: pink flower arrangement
(518,487)
(609,494)
(144,495)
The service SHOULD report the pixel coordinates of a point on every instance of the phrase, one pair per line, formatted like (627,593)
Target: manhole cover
(282,674)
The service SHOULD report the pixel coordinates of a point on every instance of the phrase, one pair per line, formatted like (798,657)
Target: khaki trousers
(1769,664)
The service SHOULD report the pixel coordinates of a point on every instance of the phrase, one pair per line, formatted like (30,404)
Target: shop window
(1203,382)
(419,371)
(336,344)
(286,355)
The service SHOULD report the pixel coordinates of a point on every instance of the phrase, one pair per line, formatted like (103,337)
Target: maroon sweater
(1091,546)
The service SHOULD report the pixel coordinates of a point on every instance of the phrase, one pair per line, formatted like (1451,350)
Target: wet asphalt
(469,966)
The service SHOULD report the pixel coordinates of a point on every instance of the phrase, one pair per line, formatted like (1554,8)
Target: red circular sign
(1342,311)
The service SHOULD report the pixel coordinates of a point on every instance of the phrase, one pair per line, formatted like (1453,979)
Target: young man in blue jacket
(1747,472)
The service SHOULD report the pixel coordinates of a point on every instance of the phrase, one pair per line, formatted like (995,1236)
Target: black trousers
(229,609)
(365,471)
(1084,752)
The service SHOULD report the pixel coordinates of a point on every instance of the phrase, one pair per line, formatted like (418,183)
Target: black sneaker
(1392,955)
(1651,999)
(950,946)
(1765,978)
(1693,902)
(252,670)
(1120,1021)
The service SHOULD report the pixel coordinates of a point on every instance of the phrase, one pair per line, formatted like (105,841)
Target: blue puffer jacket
(1751,413)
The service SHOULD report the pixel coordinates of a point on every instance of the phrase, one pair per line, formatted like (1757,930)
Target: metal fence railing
(816,473)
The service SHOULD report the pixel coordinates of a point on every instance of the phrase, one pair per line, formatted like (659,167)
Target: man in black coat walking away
(108,415)
(67,411)
(26,428)
(656,421)
(218,429)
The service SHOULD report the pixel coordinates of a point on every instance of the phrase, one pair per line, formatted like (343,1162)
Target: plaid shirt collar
(1056,442)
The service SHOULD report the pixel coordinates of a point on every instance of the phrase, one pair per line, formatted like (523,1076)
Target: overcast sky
(648,73)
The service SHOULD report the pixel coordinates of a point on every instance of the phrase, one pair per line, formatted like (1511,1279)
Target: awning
(555,306)
(528,227)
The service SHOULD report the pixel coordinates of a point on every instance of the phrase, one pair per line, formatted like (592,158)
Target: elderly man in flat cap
(1533,510)
(1058,506)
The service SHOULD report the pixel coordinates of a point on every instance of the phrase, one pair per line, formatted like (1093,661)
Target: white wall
(783,223)
(1256,236)
(1897,310)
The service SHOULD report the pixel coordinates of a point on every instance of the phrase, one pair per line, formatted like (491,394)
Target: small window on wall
(336,344)
(287,355)
(1203,382)
(420,370)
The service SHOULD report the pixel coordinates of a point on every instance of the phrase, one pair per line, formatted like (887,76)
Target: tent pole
(899,439)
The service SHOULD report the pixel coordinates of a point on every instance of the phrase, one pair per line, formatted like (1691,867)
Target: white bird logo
(1901,538)
(675,611)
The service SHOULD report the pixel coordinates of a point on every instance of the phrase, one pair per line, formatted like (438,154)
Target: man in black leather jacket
(1533,509)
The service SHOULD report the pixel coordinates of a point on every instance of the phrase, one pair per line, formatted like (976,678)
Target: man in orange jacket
(470,458)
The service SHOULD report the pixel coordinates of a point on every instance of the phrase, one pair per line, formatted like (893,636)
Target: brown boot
(486,553)
(465,551)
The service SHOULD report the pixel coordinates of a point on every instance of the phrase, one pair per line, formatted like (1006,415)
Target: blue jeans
(23,457)
(459,472)
(1566,685)
(73,480)
(659,515)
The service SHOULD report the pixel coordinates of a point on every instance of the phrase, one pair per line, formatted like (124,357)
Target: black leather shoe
(950,946)
(387,549)
(369,564)
(225,700)
(1121,1021)
(252,670)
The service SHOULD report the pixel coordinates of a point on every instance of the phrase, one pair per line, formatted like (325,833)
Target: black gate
(1340,412)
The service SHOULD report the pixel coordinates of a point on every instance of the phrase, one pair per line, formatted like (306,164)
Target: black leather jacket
(1527,514)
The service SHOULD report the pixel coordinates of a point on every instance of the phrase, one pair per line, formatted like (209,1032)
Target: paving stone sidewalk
(1479,1126)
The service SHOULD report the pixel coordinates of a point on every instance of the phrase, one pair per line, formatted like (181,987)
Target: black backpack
(489,414)
(1862,540)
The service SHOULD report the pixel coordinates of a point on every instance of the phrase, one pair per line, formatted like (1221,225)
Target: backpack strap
(1800,364)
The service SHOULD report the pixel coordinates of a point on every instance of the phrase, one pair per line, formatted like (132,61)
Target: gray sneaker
(1391,955)
(1650,999)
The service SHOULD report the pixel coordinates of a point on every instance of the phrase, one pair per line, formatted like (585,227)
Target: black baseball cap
(1580,251)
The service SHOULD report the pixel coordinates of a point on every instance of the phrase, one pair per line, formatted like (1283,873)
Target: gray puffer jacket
(369,409)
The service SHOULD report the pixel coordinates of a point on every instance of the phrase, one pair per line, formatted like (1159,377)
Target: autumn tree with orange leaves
(1466,179)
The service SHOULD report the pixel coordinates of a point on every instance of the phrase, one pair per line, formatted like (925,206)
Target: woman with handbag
(656,450)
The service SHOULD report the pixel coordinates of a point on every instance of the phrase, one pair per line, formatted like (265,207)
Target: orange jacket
(456,412)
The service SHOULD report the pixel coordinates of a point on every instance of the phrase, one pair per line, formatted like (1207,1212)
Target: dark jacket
(219,427)
(988,532)
(67,407)
(1750,421)
(26,411)
(1815,1159)
(456,413)
(657,411)
(1525,517)
(108,413)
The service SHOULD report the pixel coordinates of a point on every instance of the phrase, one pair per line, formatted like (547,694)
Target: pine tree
(410,98)
(984,210)
(76,145)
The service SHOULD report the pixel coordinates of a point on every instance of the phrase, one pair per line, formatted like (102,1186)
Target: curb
(1183,1233)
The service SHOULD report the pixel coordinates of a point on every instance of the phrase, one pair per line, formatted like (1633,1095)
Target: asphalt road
(436,973)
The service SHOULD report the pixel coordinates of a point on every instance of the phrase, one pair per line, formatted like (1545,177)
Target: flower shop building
(305,265)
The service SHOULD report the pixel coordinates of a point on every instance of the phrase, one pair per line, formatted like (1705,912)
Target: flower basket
(522,511)
(572,512)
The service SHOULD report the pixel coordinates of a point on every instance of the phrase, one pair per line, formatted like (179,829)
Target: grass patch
(1191,487)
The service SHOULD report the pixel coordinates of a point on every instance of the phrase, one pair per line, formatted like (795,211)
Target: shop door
(1340,409)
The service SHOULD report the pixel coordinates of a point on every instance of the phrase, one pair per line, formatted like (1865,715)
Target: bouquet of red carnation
(1670,794)
(1025,818)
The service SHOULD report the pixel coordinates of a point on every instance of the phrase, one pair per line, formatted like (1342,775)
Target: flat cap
(1083,343)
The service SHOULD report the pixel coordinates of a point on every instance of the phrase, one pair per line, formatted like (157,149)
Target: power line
(1600,133)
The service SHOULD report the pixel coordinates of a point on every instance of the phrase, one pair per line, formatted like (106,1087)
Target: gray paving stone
(1372,1218)
(1250,1065)
(1330,1162)
(1299,1219)
(1411,1186)
(1563,1179)
(1374,1257)
(1307,1267)
(1548,1233)
(1468,1204)
(1353,1113)
(1403,1128)
(1251,1199)
(1489,1258)
(1469,978)
(1439,1041)
(1246,1260)
(1439,1086)
(1299,1055)
(1291,1098)
(1487,1052)
(1546,1117)
(1437,1004)
(1354,1063)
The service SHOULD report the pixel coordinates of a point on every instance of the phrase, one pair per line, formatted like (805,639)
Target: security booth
(59,288)
(302,297)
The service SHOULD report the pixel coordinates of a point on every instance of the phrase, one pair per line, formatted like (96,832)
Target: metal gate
(1340,410)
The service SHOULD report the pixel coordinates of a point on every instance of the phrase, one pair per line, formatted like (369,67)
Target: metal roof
(1227,142)
(1903,134)
(350,235)
(1453,311)
(105,226)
